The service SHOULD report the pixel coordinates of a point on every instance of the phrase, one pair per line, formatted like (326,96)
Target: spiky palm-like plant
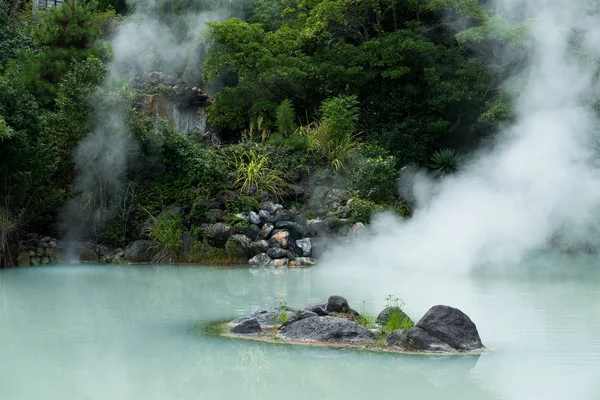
(445,161)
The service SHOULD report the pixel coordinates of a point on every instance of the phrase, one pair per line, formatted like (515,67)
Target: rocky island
(443,329)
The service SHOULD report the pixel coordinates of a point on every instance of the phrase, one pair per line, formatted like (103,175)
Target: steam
(536,188)
(150,39)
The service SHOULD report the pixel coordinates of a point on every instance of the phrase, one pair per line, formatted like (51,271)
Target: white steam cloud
(537,187)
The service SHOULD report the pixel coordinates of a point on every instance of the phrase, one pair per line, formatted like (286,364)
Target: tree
(65,35)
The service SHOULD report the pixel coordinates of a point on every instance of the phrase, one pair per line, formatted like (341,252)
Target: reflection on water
(88,332)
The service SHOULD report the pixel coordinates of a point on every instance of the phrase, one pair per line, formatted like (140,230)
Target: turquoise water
(112,332)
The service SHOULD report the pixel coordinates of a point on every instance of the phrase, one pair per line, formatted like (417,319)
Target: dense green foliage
(331,93)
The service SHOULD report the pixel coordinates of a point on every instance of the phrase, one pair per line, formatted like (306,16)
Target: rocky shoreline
(442,330)
(268,236)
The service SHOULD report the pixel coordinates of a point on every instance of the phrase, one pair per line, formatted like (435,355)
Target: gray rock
(274,316)
(261,259)
(283,215)
(305,261)
(305,246)
(352,311)
(238,246)
(326,329)
(244,216)
(395,338)
(302,221)
(218,232)
(265,216)
(418,339)
(295,229)
(251,231)
(337,304)
(248,326)
(384,315)
(281,262)
(302,315)
(260,246)
(277,252)
(318,308)
(270,207)
(280,239)
(254,218)
(318,228)
(266,230)
(115,256)
(451,326)
(358,229)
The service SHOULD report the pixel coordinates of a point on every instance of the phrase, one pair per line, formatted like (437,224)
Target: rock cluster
(442,328)
(270,236)
(36,250)
(183,92)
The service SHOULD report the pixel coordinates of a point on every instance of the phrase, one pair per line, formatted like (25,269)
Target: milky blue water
(135,332)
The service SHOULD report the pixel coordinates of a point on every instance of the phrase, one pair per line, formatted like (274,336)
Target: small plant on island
(397,319)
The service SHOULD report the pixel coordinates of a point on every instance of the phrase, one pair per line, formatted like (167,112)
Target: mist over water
(536,188)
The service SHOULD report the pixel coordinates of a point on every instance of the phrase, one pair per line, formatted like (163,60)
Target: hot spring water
(112,332)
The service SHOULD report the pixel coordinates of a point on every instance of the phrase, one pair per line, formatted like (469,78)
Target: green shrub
(285,118)
(397,318)
(165,231)
(295,142)
(254,172)
(373,174)
(359,210)
(243,204)
(335,132)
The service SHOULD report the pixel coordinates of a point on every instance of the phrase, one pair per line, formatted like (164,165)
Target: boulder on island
(247,326)
(326,329)
(442,329)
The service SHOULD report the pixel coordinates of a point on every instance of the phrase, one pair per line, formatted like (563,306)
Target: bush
(373,174)
(243,204)
(335,133)
(296,142)
(285,118)
(254,172)
(165,231)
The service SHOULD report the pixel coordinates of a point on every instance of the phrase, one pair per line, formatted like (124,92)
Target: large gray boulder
(274,316)
(451,326)
(249,326)
(419,339)
(337,304)
(326,329)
